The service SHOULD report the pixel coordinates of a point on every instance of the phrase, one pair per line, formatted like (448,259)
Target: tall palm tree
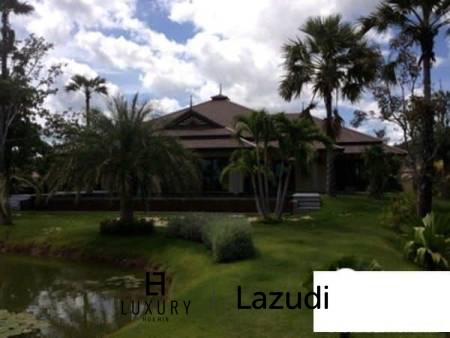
(8,37)
(420,21)
(88,86)
(7,7)
(333,57)
(125,154)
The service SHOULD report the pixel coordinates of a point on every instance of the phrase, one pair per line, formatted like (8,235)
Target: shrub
(429,246)
(232,242)
(208,233)
(136,228)
(187,227)
(401,212)
(228,239)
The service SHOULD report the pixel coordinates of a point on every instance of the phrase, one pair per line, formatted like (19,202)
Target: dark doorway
(350,174)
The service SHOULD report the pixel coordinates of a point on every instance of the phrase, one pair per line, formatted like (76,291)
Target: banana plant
(430,245)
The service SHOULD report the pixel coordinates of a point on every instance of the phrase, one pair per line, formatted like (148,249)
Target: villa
(207,129)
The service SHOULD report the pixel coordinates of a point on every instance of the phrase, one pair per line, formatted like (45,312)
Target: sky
(168,50)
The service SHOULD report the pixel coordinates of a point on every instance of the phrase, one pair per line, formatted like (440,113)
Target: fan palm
(420,21)
(126,155)
(332,57)
(88,87)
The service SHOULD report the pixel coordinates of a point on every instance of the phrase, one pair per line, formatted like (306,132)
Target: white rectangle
(384,302)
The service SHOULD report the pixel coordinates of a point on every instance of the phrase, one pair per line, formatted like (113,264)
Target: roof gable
(221,112)
(192,120)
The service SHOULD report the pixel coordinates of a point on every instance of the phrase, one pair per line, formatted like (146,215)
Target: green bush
(137,227)
(430,244)
(188,227)
(401,213)
(229,239)
(232,242)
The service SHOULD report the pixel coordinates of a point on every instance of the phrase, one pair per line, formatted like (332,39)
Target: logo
(156,306)
(279,300)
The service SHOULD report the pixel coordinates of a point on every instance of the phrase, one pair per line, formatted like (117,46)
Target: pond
(73,300)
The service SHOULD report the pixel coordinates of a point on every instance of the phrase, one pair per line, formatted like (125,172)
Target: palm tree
(333,57)
(288,141)
(296,140)
(88,87)
(126,155)
(420,21)
(260,129)
(8,37)
(244,161)
(6,47)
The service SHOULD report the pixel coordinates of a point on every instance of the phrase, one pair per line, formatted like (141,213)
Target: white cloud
(165,105)
(236,43)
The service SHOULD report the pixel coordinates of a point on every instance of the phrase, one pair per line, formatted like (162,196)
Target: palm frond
(17,7)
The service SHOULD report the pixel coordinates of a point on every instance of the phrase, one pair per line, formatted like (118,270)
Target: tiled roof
(199,132)
(218,143)
(222,112)
(360,148)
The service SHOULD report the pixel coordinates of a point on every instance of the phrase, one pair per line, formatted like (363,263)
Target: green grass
(286,253)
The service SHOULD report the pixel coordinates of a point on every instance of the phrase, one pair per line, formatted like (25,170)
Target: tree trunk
(446,183)
(5,210)
(425,186)
(262,198)
(257,198)
(266,179)
(88,109)
(4,50)
(126,203)
(259,180)
(279,188)
(330,151)
(279,214)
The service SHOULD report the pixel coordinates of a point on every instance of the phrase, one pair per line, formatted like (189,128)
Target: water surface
(75,300)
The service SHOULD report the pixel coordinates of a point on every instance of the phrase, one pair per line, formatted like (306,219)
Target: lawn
(286,253)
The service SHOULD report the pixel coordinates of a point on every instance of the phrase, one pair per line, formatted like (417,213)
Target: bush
(429,246)
(228,239)
(186,227)
(401,212)
(232,242)
(137,227)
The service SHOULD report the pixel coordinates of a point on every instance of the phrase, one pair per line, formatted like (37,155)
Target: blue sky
(171,49)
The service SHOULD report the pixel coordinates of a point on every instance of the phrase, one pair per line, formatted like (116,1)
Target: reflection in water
(73,299)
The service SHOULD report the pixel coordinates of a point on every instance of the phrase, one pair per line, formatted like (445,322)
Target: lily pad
(14,325)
